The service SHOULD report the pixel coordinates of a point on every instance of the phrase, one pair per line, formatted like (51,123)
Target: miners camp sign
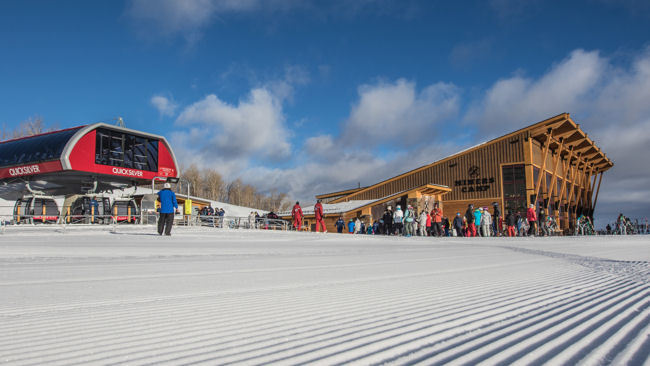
(474,182)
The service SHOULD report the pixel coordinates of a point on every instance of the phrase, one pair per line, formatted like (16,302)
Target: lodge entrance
(514,188)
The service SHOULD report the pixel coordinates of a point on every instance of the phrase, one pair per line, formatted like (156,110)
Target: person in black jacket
(458,224)
(541,222)
(496,219)
(469,216)
(388,221)
(511,222)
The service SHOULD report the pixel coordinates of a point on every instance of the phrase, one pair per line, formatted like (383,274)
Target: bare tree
(31,126)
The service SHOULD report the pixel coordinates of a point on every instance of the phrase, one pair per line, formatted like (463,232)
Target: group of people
(297,216)
(400,222)
(625,226)
(209,211)
(477,221)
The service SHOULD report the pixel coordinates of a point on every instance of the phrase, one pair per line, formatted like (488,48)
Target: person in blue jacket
(168,206)
(351,226)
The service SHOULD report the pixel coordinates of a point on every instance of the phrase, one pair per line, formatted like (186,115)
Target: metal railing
(64,218)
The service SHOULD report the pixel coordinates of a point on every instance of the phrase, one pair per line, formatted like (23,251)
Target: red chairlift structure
(93,158)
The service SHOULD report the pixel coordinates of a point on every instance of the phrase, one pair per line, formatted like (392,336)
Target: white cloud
(254,128)
(165,106)
(186,17)
(609,101)
(513,102)
(396,113)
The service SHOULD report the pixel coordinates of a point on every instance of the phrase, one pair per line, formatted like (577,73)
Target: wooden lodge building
(552,163)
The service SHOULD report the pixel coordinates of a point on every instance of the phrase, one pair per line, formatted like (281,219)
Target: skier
(351,226)
(496,219)
(541,222)
(486,222)
(357,226)
(168,205)
(445,225)
(469,216)
(398,217)
(408,221)
(340,224)
(511,221)
(436,219)
(388,221)
(458,224)
(477,221)
(318,214)
(424,217)
(532,219)
(296,213)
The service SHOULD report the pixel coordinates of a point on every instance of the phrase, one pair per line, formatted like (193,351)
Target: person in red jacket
(531,215)
(436,220)
(318,213)
(296,213)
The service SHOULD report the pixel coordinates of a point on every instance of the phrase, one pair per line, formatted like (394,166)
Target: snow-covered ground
(209,296)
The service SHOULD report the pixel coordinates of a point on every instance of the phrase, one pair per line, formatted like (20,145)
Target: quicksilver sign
(129,172)
(24,170)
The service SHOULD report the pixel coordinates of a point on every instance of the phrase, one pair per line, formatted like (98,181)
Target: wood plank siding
(564,183)
(487,158)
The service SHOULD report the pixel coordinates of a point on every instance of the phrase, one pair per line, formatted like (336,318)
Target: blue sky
(312,96)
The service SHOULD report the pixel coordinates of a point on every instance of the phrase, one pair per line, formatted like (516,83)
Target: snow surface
(86,295)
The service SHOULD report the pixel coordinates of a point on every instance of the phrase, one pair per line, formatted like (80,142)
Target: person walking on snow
(408,221)
(318,214)
(496,219)
(486,222)
(477,221)
(424,217)
(388,221)
(398,217)
(469,216)
(436,219)
(296,213)
(168,206)
(511,222)
(339,225)
(532,219)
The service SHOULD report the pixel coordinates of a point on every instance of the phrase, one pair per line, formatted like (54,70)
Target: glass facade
(514,188)
(125,150)
(35,149)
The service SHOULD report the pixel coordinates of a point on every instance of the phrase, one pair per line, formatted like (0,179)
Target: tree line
(29,127)
(208,183)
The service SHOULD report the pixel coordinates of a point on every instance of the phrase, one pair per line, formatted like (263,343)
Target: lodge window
(124,150)
(514,188)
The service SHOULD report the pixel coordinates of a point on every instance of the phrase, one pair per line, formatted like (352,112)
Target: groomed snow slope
(202,296)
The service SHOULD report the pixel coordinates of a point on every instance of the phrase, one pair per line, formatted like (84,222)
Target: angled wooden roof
(339,193)
(576,142)
(561,126)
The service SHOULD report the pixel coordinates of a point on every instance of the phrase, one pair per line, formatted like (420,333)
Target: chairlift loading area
(93,158)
